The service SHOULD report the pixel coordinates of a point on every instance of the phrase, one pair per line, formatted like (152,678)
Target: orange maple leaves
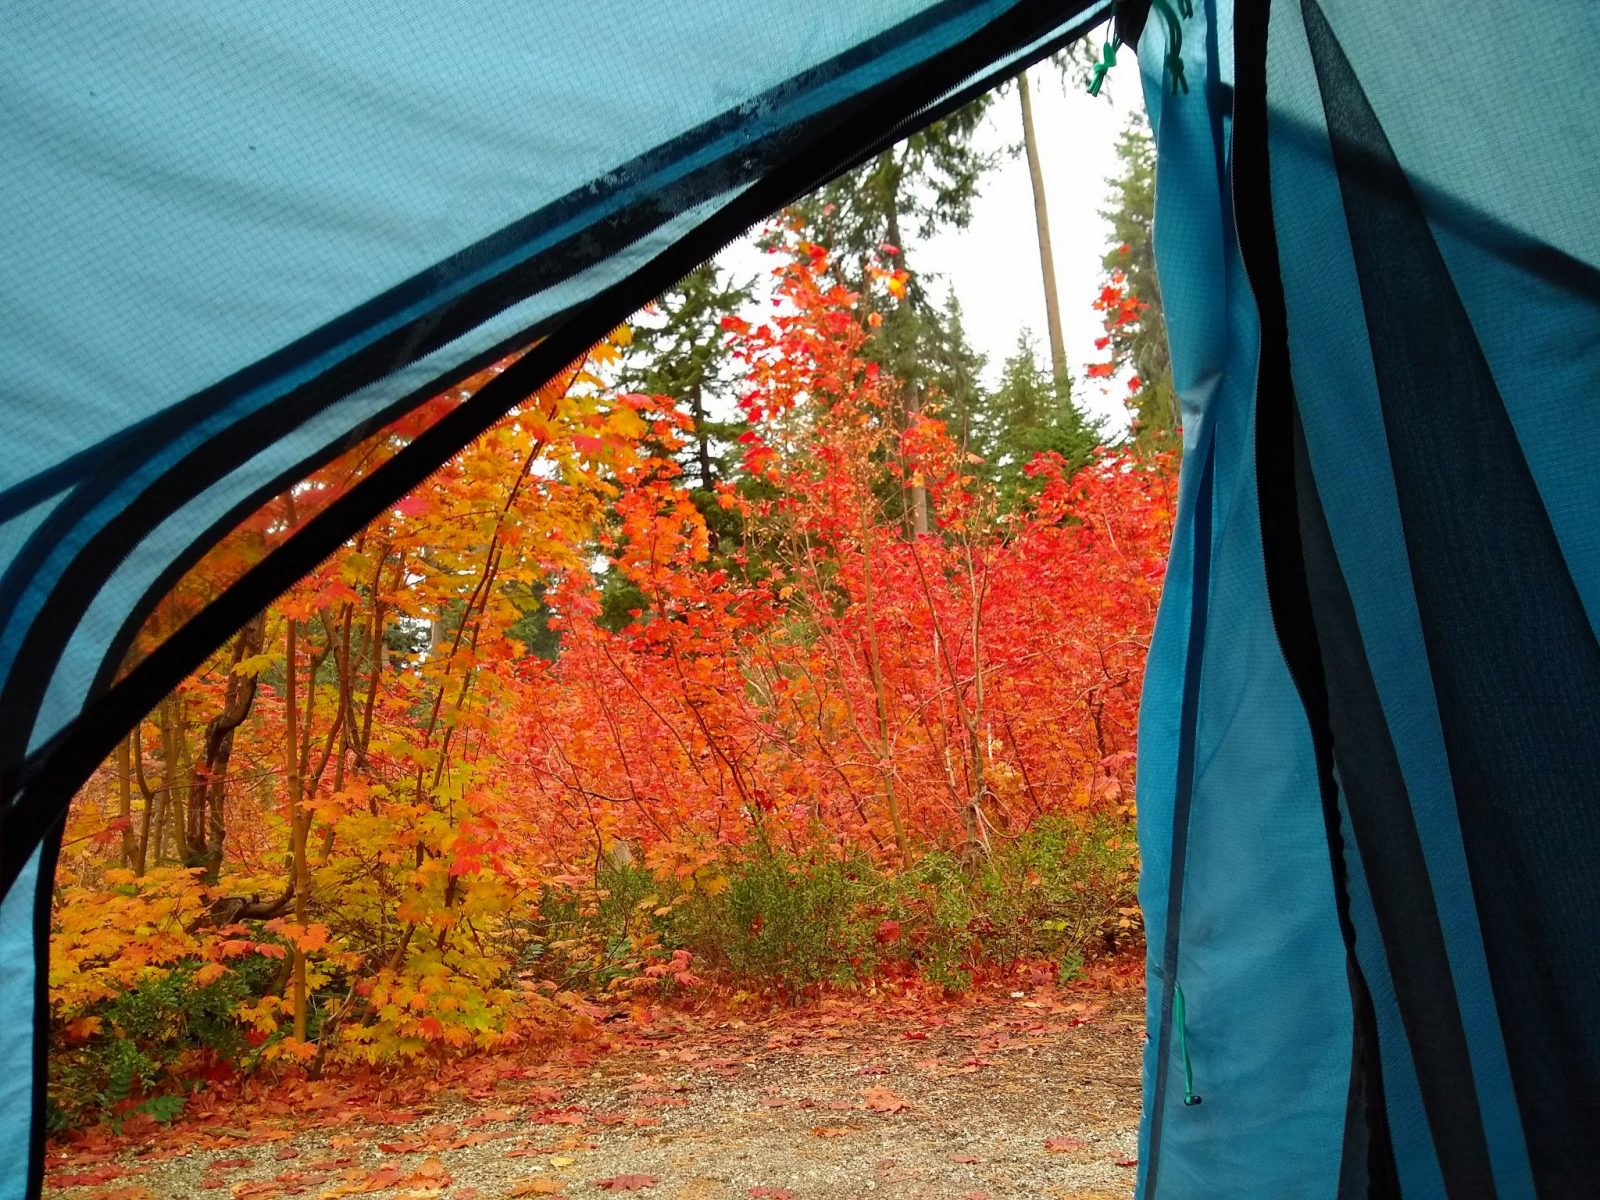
(823,677)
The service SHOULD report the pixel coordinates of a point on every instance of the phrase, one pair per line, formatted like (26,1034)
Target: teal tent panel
(1427,280)
(1340,405)
(194,187)
(237,241)
(20,1043)
(1236,887)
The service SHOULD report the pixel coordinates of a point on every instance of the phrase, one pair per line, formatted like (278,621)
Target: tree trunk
(1041,217)
(136,749)
(169,813)
(208,780)
(297,833)
(125,799)
(697,407)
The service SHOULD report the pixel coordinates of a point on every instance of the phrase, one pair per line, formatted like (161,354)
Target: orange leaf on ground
(882,1100)
(429,1173)
(626,1183)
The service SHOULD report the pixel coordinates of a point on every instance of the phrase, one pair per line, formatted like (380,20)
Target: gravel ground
(1009,1096)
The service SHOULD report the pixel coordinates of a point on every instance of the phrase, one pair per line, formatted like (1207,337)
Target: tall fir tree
(915,188)
(680,350)
(1136,329)
(953,371)
(1031,412)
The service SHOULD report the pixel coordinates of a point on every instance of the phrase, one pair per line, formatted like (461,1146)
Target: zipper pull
(1108,54)
(1190,1099)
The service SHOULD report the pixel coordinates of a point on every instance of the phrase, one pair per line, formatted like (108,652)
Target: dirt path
(1020,1095)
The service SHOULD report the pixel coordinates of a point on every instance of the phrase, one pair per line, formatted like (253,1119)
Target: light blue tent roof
(233,242)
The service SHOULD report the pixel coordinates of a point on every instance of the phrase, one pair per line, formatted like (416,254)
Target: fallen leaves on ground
(1064,1145)
(717,1077)
(537,1186)
(626,1183)
(882,1100)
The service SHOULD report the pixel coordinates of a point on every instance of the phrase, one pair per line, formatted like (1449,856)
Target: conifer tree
(1136,330)
(1031,412)
(916,187)
(680,351)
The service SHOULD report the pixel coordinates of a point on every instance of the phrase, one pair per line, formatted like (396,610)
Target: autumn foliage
(544,732)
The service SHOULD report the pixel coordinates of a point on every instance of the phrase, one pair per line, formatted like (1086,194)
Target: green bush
(593,938)
(149,1037)
(1060,891)
(787,921)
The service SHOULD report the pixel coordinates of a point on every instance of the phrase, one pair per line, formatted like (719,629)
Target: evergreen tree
(681,352)
(916,187)
(953,372)
(1139,342)
(1031,412)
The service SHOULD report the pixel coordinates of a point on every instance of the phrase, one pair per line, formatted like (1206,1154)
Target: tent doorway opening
(718,776)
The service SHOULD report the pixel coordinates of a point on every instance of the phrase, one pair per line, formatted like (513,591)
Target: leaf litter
(1003,1096)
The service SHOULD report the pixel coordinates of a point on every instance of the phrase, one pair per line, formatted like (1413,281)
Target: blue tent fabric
(237,241)
(1450,573)
(21,1043)
(232,242)
(1424,551)
(1231,825)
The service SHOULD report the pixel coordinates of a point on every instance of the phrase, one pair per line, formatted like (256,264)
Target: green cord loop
(1189,1097)
(1108,52)
(1174,60)
(1175,69)
(1108,59)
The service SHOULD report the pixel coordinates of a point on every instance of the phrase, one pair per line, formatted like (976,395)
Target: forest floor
(996,1096)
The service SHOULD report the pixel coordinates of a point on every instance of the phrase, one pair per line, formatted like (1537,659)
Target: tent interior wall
(1369,767)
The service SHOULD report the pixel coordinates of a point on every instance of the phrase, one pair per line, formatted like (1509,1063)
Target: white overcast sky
(993,264)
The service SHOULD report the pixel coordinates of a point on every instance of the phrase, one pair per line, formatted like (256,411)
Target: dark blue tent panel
(1370,753)
(234,240)
(1449,557)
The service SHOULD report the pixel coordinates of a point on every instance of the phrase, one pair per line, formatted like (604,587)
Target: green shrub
(148,1038)
(761,919)
(787,921)
(592,938)
(1058,892)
